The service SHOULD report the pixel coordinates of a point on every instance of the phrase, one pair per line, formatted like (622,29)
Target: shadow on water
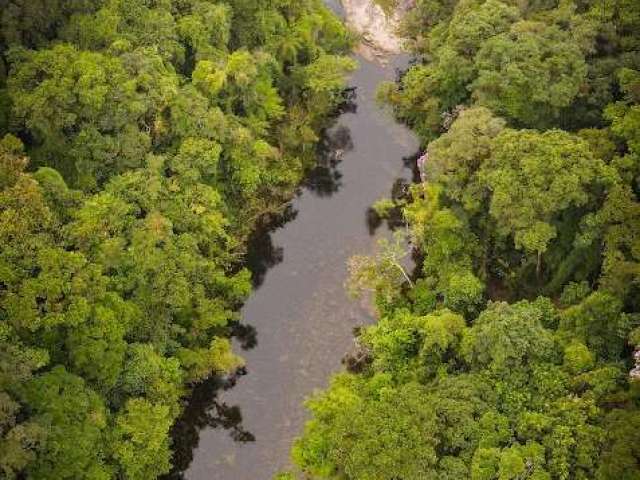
(394,217)
(246,335)
(325,178)
(298,320)
(399,192)
(411,162)
(204,410)
(262,253)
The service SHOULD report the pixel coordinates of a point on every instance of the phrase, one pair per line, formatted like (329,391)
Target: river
(298,322)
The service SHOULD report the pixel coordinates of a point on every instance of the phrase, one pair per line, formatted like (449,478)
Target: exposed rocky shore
(379,29)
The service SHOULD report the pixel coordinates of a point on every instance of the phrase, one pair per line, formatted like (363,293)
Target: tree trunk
(404,273)
(539,266)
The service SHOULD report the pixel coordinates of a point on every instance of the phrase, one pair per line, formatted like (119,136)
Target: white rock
(378,30)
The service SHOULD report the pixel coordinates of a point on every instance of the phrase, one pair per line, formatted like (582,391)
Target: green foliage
(368,428)
(323,80)
(578,358)
(621,453)
(456,158)
(384,207)
(384,275)
(473,23)
(509,388)
(141,444)
(599,322)
(19,437)
(617,226)
(530,73)
(506,337)
(534,178)
(445,236)
(148,374)
(89,93)
(492,400)
(538,64)
(397,341)
(75,419)
(159,133)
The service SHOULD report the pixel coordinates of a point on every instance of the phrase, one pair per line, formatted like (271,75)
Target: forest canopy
(141,142)
(511,352)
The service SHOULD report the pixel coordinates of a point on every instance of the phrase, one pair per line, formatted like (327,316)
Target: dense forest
(142,141)
(510,353)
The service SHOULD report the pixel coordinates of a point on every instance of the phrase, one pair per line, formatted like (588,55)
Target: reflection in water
(395,218)
(349,102)
(204,410)
(411,162)
(301,314)
(417,257)
(230,418)
(262,254)
(400,189)
(374,221)
(246,335)
(325,178)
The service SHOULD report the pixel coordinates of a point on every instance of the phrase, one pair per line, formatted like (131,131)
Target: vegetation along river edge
(513,353)
(185,186)
(299,320)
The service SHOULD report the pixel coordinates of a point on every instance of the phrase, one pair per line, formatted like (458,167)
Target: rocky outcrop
(379,29)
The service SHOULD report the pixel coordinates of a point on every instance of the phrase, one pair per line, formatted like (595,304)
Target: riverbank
(298,323)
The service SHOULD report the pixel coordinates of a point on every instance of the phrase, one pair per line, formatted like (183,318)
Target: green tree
(530,73)
(181,124)
(384,274)
(369,429)
(457,156)
(616,226)
(450,247)
(20,438)
(599,322)
(75,419)
(62,90)
(141,443)
(621,453)
(508,336)
(536,177)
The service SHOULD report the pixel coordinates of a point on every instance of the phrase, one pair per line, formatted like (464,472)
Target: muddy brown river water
(298,323)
